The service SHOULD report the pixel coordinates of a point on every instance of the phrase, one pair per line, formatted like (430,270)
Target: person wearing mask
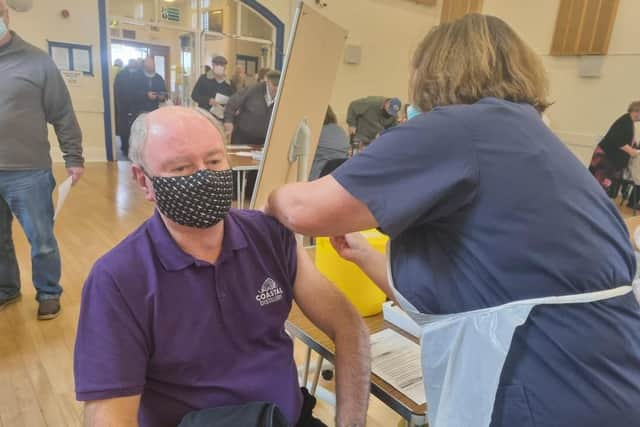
(505,251)
(32,94)
(247,115)
(369,116)
(612,154)
(262,74)
(199,322)
(333,144)
(211,84)
(153,90)
(126,88)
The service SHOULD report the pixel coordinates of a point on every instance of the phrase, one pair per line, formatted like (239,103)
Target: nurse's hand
(355,248)
(352,247)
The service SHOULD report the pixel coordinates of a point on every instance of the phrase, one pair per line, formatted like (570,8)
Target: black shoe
(48,309)
(8,301)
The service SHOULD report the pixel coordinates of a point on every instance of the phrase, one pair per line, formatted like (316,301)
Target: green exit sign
(171,14)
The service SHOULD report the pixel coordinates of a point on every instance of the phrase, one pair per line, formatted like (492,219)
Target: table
(241,165)
(300,327)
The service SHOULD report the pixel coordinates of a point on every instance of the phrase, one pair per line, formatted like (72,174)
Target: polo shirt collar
(173,258)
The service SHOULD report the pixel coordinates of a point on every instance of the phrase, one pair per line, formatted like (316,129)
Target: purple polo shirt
(186,334)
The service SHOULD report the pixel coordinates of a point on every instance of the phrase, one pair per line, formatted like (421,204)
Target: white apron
(463,353)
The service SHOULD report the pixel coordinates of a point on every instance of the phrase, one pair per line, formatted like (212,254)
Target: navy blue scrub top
(485,205)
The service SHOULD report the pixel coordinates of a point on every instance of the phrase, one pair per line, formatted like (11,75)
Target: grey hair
(138,139)
(140,130)
(214,122)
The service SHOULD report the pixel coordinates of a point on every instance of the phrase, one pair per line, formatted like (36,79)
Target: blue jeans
(27,195)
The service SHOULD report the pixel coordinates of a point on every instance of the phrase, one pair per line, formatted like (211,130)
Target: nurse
(503,247)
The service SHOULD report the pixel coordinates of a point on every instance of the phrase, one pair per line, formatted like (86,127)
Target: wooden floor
(36,366)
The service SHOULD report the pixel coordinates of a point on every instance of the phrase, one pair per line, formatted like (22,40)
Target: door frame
(105,66)
(154,50)
(105,63)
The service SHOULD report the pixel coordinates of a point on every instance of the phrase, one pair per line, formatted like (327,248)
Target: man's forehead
(183,130)
(183,127)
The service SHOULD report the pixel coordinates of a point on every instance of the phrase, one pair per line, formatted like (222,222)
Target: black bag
(255,414)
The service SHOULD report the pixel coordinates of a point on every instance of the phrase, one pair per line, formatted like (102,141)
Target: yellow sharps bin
(357,287)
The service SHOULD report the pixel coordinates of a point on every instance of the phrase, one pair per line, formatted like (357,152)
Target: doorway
(127,50)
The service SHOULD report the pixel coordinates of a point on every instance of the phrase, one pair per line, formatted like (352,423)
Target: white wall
(584,107)
(44,22)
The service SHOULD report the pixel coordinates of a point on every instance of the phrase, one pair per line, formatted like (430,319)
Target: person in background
(199,321)
(262,74)
(247,115)
(153,89)
(207,68)
(369,116)
(117,66)
(212,83)
(125,89)
(333,144)
(238,80)
(612,154)
(503,248)
(32,94)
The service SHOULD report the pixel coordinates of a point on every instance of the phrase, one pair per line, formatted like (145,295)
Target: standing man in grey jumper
(32,94)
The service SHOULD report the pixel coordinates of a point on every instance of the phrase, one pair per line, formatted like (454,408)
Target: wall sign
(72,57)
(171,14)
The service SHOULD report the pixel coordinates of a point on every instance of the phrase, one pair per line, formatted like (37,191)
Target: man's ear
(144,183)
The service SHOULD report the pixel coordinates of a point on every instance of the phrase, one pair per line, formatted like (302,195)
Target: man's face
(149,65)
(181,142)
(218,70)
(635,115)
(272,88)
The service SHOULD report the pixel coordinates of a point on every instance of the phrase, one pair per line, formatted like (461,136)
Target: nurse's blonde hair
(474,57)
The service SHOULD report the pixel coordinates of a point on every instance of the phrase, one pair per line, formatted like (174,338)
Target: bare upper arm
(117,412)
(320,301)
(320,208)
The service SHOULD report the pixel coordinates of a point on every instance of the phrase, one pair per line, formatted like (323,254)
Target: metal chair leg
(316,375)
(307,361)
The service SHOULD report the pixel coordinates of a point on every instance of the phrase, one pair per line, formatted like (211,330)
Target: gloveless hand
(353,247)
(75,173)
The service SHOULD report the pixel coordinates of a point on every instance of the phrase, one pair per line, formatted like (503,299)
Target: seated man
(188,312)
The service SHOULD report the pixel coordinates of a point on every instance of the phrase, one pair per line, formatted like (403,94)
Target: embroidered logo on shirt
(269,293)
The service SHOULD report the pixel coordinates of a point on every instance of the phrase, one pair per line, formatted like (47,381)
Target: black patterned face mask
(200,200)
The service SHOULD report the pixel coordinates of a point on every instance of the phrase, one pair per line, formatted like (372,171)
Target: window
(584,27)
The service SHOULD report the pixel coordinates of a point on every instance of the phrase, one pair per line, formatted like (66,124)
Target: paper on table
(396,360)
(63,192)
